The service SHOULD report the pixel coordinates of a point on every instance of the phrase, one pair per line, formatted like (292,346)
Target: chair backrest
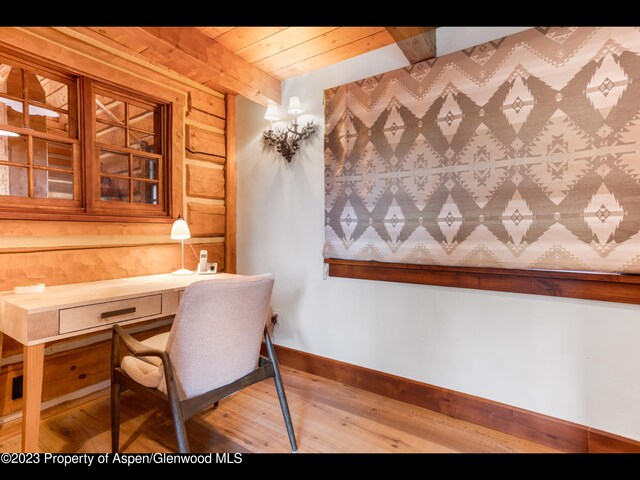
(216,335)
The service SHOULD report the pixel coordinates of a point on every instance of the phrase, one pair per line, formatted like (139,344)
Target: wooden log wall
(205,159)
(60,252)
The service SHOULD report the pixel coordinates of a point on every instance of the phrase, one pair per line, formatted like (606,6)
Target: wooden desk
(65,311)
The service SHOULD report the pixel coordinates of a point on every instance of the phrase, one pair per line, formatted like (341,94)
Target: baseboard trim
(550,431)
(605,442)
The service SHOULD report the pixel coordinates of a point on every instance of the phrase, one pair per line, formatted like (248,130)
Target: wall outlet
(16,387)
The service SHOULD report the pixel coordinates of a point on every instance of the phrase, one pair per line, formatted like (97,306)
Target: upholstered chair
(212,351)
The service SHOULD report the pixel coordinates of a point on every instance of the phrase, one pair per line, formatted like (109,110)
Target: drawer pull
(115,313)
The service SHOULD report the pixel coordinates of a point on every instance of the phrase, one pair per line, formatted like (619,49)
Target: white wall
(572,359)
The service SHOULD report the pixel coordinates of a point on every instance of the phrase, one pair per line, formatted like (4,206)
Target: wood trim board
(231,186)
(608,287)
(554,432)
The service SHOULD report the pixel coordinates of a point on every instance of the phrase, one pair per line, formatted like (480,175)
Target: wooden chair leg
(115,393)
(181,431)
(285,410)
(175,406)
(281,395)
(115,417)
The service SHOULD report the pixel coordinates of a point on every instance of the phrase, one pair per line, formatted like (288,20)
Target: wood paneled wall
(59,252)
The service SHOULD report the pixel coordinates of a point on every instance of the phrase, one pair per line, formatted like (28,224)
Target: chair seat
(148,371)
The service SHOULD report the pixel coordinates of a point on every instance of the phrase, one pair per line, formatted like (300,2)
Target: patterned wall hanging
(519,153)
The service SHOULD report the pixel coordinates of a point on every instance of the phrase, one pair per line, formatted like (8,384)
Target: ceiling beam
(226,71)
(163,52)
(416,43)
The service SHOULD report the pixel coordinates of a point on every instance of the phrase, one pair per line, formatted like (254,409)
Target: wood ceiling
(252,61)
(284,52)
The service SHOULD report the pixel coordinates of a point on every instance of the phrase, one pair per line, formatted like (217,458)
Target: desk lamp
(180,231)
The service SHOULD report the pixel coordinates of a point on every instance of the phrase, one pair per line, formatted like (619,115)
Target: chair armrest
(137,349)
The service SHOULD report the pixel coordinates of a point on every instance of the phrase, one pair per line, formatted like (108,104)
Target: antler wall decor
(286,139)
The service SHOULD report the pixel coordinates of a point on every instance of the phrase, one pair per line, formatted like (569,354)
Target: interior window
(104,156)
(38,138)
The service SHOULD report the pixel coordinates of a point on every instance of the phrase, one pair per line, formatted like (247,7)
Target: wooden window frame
(49,205)
(608,287)
(105,207)
(86,205)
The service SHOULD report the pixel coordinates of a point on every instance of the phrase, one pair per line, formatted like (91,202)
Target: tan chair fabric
(148,371)
(215,338)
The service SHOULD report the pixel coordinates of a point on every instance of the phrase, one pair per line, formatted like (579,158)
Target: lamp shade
(180,229)
(294,106)
(272,112)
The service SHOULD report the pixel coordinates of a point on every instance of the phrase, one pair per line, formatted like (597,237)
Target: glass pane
(143,118)
(145,168)
(52,184)
(10,80)
(58,125)
(113,162)
(14,181)
(56,93)
(11,112)
(34,89)
(13,148)
(145,192)
(38,118)
(4,180)
(114,189)
(110,135)
(144,142)
(109,109)
(52,154)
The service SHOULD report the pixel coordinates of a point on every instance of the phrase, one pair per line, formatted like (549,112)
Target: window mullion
(30,163)
(126,124)
(126,142)
(25,104)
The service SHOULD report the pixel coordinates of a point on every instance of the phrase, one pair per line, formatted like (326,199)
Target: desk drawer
(90,316)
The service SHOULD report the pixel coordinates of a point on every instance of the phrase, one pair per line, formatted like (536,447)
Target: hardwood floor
(327,417)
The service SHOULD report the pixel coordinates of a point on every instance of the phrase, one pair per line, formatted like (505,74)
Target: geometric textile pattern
(523,152)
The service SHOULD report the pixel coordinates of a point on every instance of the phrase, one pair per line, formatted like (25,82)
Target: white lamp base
(182,271)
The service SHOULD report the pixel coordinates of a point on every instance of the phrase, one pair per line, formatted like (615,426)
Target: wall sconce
(286,139)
